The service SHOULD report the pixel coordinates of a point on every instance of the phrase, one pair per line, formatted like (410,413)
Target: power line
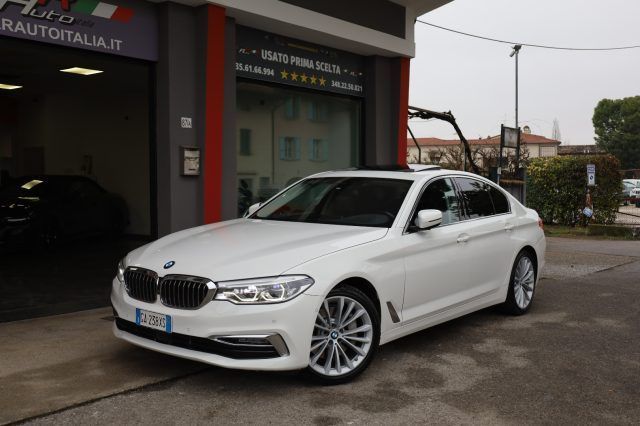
(541,46)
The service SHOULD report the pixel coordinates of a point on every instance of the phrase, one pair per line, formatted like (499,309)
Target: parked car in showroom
(335,265)
(42,210)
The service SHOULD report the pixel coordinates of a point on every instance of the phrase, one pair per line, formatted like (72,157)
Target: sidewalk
(57,362)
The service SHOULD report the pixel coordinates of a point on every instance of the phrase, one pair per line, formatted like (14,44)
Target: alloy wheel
(342,336)
(523,282)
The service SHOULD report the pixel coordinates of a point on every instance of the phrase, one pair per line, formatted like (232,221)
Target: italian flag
(103,10)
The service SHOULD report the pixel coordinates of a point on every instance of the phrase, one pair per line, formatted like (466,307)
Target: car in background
(627,186)
(633,188)
(45,209)
(330,268)
(635,195)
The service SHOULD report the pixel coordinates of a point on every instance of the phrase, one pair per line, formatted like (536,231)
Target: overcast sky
(475,79)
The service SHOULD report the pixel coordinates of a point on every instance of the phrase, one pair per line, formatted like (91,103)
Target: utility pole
(516,51)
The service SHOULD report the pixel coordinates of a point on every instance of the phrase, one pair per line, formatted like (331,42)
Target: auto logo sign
(169,264)
(121,27)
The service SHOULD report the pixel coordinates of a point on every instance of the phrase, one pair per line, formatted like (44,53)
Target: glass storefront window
(284,135)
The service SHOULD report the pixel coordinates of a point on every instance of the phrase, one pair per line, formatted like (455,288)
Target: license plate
(153,320)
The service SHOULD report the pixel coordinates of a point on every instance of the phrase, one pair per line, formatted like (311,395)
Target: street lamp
(516,51)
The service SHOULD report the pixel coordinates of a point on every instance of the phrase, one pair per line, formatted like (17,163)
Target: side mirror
(252,209)
(428,219)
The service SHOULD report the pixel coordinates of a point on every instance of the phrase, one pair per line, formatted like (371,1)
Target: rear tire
(345,336)
(522,285)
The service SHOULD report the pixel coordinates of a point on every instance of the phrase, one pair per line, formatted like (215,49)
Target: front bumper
(194,331)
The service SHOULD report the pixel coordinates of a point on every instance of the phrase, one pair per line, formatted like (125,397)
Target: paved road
(575,358)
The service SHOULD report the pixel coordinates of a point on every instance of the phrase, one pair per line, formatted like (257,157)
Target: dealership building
(190,111)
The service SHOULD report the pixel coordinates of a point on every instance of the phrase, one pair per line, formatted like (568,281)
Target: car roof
(413,173)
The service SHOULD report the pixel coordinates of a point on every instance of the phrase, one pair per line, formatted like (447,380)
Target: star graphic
(294,76)
(304,78)
(313,79)
(322,81)
(284,74)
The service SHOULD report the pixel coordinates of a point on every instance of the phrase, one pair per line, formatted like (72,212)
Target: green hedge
(557,186)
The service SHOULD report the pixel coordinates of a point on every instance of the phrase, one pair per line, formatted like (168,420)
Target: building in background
(580,150)
(484,151)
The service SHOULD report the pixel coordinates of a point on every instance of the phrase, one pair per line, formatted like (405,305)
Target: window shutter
(325,150)
(282,149)
(297,146)
(311,111)
(310,149)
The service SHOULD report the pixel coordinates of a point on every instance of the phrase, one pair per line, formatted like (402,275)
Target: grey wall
(179,197)
(380,15)
(181,78)
(382,84)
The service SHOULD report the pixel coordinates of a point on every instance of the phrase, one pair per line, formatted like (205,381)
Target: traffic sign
(591,174)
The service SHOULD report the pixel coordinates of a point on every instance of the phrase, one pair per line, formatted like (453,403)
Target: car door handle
(463,238)
(509,226)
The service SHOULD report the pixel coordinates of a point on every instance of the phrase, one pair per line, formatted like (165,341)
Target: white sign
(185,122)
(591,174)
(511,137)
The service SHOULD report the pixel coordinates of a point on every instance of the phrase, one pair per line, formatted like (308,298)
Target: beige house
(434,150)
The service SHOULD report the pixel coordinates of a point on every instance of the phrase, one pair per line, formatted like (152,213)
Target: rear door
(487,235)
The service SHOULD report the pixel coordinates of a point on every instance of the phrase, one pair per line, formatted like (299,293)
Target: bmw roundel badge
(169,264)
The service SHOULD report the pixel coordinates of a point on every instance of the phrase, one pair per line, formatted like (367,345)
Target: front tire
(522,285)
(345,336)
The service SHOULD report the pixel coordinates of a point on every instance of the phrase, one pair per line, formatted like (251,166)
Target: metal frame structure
(425,114)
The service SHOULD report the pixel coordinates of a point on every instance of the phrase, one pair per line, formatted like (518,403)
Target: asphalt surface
(69,277)
(574,358)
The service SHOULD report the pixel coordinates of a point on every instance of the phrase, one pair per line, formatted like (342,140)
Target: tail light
(541,224)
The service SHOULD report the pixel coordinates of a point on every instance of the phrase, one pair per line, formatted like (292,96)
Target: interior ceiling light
(9,86)
(81,71)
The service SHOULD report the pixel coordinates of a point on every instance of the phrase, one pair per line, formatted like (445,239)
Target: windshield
(354,201)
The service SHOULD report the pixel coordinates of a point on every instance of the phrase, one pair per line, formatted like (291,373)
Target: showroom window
(291,134)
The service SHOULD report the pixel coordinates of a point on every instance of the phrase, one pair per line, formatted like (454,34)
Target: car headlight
(121,268)
(263,290)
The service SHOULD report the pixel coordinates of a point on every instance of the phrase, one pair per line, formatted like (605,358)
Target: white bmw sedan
(330,268)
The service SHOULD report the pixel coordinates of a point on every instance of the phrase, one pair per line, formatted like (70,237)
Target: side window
(476,197)
(440,195)
(500,202)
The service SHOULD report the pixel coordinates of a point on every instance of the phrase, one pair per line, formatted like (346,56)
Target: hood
(246,248)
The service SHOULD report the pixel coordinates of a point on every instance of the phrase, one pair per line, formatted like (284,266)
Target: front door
(436,271)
